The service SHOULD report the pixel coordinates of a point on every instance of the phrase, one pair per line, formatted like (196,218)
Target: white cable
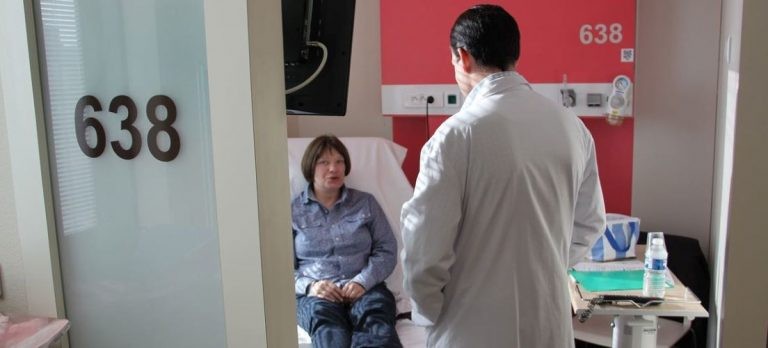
(317,72)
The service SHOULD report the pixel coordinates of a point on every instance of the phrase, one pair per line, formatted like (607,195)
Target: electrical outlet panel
(586,100)
(419,100)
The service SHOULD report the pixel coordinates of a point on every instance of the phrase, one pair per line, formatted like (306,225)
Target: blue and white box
(619,239)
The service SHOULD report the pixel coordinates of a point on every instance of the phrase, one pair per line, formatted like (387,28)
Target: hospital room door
(155,250)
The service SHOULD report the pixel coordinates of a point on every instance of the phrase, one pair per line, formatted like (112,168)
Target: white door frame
(22,95)
(245,77)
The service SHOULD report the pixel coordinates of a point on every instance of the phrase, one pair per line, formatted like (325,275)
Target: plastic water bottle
(655,269)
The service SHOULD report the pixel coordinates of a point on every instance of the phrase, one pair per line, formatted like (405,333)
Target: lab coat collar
(493,84)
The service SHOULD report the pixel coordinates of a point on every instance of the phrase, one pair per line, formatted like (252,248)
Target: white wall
(745,311)
(252,200)
(12,282)
(26,151)
(364,99)
(730,46)
(676,95)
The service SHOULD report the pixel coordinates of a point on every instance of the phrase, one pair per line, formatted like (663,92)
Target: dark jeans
(368,322)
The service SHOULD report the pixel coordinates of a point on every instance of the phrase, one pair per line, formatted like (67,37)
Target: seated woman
(343,250)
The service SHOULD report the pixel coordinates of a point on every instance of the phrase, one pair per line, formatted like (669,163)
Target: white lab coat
(506,199)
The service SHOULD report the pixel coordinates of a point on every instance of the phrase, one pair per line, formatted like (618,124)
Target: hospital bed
(376,169)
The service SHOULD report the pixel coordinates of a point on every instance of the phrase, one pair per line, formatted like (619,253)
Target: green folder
(609,281)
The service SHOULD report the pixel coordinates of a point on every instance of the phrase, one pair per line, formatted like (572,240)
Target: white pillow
(376,169)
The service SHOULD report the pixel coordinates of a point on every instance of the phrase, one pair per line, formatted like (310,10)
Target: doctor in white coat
(507,197)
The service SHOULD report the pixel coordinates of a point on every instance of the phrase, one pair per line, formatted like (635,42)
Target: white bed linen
(411,335)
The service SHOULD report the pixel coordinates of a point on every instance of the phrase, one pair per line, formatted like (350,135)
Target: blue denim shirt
(352,241)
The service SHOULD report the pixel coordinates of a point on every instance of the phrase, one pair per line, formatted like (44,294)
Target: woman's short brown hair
(316,148)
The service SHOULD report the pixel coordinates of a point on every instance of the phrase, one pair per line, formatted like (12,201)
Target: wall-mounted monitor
(317,43)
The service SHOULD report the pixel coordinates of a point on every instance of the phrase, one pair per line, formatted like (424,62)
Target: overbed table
(635,327)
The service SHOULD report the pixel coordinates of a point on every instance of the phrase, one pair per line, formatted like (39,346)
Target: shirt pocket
(308,224)
(357,238)
(356,222)
(359,217)
(312,239)
(310,230)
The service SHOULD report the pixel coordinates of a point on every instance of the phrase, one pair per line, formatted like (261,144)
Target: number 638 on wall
(166,126)
(601,33)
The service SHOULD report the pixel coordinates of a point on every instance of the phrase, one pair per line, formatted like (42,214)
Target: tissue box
(619,239)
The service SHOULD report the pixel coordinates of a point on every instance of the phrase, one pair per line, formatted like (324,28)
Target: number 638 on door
(166,125)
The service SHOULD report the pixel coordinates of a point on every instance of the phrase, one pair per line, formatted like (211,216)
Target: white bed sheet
(411,335)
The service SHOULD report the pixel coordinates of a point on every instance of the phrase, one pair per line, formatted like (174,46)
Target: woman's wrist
(310,286)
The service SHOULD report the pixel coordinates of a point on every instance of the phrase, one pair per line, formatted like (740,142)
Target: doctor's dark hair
(489,34)
(317,148)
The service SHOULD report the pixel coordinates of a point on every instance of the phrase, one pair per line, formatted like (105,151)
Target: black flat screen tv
(311,27)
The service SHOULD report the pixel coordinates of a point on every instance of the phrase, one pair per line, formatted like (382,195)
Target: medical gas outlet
(620,96)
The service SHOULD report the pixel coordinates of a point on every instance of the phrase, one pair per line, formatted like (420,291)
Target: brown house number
(82,123)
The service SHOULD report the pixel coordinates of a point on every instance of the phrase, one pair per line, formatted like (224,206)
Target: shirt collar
(493,84)
(309,194)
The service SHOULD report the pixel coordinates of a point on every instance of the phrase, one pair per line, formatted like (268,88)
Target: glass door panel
(126,98)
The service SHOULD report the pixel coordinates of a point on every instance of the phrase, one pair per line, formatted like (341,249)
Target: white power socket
(412,99)
(419,100)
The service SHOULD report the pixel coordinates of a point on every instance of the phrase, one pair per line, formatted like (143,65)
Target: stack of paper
(624,265)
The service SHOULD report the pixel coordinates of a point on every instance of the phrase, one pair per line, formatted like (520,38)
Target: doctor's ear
(463,60)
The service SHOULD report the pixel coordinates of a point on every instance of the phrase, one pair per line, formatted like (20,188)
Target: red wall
(415,39)
(415,50)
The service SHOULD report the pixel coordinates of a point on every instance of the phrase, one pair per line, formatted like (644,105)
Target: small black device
(639,301)
(317,45)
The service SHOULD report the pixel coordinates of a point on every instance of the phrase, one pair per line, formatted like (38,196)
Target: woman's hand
(326,290)
(352,291)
